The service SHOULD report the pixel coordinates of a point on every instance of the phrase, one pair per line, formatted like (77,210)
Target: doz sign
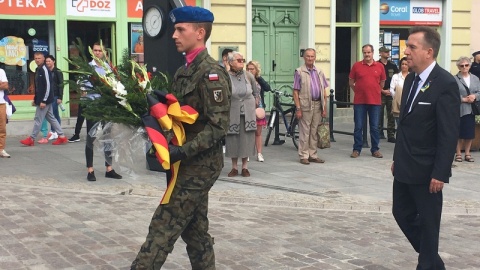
(91,8)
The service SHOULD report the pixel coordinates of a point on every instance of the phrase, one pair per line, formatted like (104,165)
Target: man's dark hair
(431,38)
(226,51)
(51,57)
(97,43)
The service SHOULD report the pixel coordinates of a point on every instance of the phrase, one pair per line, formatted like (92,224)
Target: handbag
(476,104)
(323,131)
(10,107)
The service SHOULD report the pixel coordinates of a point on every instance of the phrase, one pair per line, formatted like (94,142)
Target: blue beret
(475,53)
(190,14)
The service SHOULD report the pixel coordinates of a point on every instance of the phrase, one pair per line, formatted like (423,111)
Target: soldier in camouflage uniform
(205,86)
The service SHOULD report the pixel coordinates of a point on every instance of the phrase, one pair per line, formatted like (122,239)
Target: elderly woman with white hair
(469,86)
(240,140)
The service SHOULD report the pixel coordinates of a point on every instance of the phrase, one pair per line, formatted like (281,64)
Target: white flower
(122,100)
(143,84)
(119,89)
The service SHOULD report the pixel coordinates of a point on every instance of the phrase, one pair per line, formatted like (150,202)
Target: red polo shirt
(367,82)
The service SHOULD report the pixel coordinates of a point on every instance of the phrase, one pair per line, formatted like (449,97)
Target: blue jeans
(359,115)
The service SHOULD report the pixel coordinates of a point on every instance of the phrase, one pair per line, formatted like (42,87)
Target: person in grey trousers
(43,101)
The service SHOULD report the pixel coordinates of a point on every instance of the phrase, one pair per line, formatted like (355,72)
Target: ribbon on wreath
(165,113)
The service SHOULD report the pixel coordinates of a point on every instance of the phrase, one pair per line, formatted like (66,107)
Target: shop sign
(27,7)
(13,51)
(135,7)
(39,45)
(91,8)
(411,12)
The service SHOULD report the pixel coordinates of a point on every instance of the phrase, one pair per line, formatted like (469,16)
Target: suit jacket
(427,135)
(466,108)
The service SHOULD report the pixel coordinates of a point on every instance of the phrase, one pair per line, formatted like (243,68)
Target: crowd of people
(432,112)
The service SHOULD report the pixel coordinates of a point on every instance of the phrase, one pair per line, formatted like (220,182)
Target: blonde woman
(262,86)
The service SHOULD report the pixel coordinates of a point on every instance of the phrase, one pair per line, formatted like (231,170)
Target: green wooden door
(275,44)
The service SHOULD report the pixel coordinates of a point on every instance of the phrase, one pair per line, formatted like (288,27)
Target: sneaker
(355,154)
(260,157)
(4,154)
(91,176)
(52,136)
(28,141)
(74,138)
(43,141)
(60,140)
(113,174)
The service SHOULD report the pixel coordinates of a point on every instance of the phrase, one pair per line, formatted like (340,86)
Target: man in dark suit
(426,141)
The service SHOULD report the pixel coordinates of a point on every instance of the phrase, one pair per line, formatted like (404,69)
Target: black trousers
(89,146)
(418,213)
(80,120)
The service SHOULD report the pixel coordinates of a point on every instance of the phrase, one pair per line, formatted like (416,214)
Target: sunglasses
(241,60)
(465,65)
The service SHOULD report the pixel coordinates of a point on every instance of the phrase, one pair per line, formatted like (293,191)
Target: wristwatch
(297,109)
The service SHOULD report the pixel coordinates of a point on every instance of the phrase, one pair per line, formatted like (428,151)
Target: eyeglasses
(241,60)
(464,66)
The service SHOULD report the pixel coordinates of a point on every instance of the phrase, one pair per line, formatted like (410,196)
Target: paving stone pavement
(286,216)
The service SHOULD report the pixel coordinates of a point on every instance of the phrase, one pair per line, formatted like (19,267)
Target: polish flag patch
(213,77)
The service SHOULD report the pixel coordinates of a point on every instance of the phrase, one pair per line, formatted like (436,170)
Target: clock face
(153,21)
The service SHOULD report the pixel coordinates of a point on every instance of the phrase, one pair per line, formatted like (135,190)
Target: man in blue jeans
(367,79)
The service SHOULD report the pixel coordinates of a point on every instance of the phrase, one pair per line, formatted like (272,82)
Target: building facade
(273,32)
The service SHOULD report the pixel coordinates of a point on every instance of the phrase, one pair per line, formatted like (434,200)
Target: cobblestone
(286,216)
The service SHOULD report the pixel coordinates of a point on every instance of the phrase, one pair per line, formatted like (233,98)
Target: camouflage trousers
(186,216)
(387,104)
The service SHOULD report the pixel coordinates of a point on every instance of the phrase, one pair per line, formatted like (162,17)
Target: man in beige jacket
(309,86)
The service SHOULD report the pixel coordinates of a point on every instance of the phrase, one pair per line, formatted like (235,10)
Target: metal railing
(332,102)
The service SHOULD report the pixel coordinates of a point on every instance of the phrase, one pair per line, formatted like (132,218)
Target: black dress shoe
(91,176)
(113,174)
(391,139)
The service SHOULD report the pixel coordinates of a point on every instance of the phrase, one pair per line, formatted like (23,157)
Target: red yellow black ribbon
(167,114)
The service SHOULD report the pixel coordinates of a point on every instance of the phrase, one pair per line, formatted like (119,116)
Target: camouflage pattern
(387,103)
(390,69)
(205,86)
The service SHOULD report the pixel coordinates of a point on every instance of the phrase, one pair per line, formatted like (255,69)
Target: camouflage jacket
(206,87)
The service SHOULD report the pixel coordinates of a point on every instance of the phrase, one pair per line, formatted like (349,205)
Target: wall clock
(153,21)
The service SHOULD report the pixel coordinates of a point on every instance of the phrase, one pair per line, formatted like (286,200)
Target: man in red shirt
(367,79)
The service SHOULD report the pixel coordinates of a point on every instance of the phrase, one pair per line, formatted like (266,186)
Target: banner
(13,51)
(31,7)
(135,7)
(411,12)
(91,8)
(136,36)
